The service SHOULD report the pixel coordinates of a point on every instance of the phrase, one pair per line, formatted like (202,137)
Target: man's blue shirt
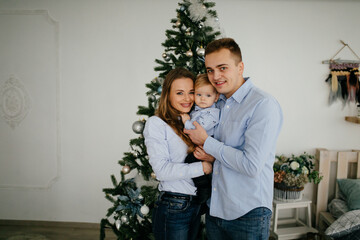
(244,145)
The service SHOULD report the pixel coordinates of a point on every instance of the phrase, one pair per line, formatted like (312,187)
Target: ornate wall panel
(29,99)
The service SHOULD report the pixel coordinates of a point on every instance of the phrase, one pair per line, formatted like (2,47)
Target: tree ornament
(201,25)
(140,197)
(144,210)
(188,34)
(178,23)
(126,169)
(182,8)
(152,98)
(201,51)
(183,27)
(138,127)
(189,53)
(160,80)
(118,224)
(154,80)
(166,57)
(159,89)
(124,219)
(153,175)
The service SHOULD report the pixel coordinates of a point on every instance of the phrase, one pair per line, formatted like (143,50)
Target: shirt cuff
(196,169)
(188,125)
(212,147)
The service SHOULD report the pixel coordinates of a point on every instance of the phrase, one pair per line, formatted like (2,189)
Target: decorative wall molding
(16,104)
(14,101)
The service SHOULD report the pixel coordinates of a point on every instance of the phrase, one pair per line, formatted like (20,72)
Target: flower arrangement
(291,174)
(295,171)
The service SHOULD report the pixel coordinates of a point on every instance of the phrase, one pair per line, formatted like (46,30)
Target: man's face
(223,72)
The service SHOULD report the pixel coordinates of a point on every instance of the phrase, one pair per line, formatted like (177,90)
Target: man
(243,145)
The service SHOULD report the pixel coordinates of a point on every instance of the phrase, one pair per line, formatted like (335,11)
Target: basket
(286,193)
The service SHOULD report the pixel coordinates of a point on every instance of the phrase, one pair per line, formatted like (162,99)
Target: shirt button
(214,188)
(227,106)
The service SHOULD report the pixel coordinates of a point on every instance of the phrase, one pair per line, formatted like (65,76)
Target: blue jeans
(255,225)
(175,217)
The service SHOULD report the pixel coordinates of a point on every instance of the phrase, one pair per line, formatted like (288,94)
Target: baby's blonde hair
(202,80)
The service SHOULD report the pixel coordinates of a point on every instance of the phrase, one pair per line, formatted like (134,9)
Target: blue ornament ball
(159,89)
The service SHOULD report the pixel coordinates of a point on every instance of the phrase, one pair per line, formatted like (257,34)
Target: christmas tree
(194,27)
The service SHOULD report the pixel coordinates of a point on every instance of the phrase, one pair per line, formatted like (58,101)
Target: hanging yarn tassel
(353,79)
(334,81)
(358,91)
(333,96)
(344,89)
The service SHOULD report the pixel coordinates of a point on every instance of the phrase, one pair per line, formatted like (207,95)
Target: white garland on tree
(197,11)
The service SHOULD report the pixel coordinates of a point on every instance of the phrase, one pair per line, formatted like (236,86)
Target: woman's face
(182,94)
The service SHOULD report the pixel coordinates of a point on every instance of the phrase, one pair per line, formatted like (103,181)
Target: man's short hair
(227,43)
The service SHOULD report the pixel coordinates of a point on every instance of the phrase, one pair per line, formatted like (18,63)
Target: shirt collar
(197,108)
(242,91)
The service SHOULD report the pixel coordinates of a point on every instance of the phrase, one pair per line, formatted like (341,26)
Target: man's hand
(197,135)
(207,167)
(200,154)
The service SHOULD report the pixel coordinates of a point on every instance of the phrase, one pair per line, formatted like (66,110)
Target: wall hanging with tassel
(344,79)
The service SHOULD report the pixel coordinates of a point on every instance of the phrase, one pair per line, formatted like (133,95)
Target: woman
(176,213)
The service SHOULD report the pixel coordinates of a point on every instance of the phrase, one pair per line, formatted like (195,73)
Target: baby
(207,115)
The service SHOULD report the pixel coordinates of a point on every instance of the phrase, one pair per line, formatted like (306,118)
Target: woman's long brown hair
(167,112)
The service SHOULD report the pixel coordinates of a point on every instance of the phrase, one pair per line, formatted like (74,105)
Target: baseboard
(83,225)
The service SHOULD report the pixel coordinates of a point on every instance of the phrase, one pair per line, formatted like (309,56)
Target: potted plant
(291,174)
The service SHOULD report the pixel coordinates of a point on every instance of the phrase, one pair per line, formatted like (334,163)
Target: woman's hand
(207,167)
(200,154)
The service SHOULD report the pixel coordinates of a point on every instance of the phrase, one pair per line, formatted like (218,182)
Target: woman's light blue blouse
(167,152)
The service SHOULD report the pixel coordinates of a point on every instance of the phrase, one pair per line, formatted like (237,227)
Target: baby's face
(205,96)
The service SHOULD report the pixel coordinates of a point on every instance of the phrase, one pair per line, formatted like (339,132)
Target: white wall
(106,52)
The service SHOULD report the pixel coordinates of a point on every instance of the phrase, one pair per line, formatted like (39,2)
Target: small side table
(293,227)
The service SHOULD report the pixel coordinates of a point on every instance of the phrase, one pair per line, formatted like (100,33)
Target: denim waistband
(180,196)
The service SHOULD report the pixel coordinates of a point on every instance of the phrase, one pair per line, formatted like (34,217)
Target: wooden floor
(38,230)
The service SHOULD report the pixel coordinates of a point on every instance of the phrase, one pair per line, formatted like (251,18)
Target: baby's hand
(184,117)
